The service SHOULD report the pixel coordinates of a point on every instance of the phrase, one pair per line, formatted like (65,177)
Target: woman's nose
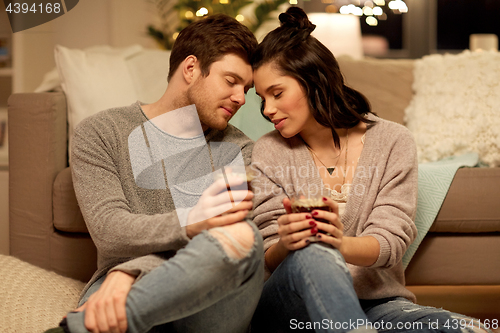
(269,110)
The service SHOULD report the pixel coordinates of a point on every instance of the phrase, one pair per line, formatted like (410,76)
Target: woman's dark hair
(294,52)
(209,39)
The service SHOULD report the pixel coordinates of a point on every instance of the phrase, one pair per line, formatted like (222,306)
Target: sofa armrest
(37,153)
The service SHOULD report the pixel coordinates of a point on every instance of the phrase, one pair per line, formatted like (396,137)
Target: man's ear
(190,68)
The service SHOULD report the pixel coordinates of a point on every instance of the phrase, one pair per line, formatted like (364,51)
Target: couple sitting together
(181,252)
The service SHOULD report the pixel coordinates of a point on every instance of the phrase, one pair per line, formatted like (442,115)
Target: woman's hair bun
(295,17)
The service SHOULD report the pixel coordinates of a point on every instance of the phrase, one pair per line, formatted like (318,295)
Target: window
(457,19)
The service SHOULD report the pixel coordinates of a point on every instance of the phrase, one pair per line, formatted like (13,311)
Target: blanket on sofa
(33,299)
(434,180)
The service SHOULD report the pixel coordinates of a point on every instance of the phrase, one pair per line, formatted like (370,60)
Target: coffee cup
(244,173)
(308,205)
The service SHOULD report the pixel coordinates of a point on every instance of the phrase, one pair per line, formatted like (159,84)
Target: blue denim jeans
(200,289)
(312,291)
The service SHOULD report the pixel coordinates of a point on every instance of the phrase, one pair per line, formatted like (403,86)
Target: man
(136,169)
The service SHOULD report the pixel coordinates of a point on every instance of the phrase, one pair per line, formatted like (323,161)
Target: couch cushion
(67,214)
(479,302)
(73,255)
(471,204)
(386,83)
(456,259)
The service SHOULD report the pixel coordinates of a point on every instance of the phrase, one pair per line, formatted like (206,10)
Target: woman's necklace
(341,196)
(331,169)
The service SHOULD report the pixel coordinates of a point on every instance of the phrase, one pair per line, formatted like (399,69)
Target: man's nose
(239,97)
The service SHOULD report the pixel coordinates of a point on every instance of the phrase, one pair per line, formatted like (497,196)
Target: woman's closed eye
(278,94)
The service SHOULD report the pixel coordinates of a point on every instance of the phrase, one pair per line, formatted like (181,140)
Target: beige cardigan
(382,202)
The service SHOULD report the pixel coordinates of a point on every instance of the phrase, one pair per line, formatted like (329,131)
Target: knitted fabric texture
(33,299)
(455,107)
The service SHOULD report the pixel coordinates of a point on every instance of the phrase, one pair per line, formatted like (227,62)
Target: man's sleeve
(246,151)
(114,228)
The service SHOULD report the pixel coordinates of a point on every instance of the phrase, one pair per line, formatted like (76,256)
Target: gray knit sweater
(132,221)
(382,203)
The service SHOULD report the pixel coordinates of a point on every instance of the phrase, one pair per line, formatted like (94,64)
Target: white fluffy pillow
(456,106)
(103,77)
(149,70)
(94,80)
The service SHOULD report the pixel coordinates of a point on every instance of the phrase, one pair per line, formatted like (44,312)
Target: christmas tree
(175,16)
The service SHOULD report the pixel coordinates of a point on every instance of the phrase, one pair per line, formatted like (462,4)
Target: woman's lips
(279,123)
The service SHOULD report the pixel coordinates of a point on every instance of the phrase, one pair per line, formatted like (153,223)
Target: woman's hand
(295,229)
(359,251)
(334,230)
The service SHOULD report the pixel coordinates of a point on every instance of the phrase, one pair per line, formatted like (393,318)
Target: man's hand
(219,206)
(105,309)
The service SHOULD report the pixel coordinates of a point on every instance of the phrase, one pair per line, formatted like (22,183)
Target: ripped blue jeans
(200,289)
(312,291)
(400,315)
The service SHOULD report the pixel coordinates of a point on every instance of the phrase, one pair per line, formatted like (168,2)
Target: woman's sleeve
(391,221)
(268,189)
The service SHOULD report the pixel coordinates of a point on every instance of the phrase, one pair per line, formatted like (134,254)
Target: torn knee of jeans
(336,254)
(410,309)
(237,239)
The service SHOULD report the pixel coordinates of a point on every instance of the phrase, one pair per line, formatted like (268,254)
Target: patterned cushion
(33,299)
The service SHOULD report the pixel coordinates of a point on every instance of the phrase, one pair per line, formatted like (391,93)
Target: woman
(344,273)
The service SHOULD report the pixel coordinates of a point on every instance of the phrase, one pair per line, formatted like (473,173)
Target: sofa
(456,266)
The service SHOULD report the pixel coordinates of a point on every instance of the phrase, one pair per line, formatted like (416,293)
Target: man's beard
(198,95)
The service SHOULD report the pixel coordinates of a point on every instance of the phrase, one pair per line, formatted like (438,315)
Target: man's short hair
(211,38)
